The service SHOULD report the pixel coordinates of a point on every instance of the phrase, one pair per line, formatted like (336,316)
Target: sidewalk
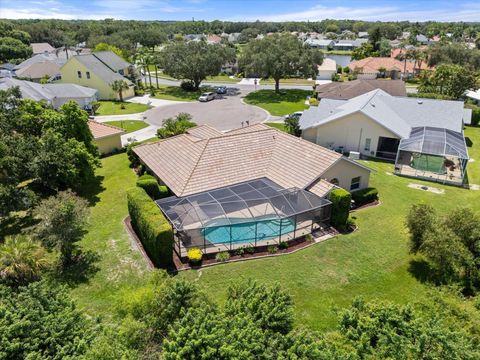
(140,135)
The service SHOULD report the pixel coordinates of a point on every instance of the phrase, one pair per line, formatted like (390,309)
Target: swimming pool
(245,232)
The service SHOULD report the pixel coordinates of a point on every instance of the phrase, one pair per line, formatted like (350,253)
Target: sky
(243,10)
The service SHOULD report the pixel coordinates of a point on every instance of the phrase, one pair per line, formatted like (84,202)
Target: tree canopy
(279,56)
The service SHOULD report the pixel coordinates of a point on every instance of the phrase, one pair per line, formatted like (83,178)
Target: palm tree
(118,86)
(404,56)
(21,260)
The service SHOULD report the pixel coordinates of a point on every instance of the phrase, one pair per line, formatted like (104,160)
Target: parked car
(221,90)
(207,96)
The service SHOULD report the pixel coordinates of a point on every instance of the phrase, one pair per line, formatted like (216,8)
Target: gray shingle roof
(398,114)
(112,60)
(98,67)
(39,58)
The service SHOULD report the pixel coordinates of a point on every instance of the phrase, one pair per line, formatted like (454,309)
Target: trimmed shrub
(250,250)
(430,96)
(187,85)
(313,101)
(365,196)
(153,229)
(151,187)
(341,200)
(272,249)
(194,256)
(222,256)
(283,245)
(132,157)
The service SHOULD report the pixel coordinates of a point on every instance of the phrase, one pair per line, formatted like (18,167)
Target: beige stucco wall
(345,171)
(349,132)
(108,144)
(69,75)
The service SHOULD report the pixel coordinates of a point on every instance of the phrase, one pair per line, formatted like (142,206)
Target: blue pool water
(245,233)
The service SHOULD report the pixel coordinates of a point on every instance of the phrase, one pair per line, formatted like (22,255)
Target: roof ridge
(107,125)
(196,165)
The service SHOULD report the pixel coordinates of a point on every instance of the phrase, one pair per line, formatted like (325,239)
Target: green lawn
(279,126)
(286,102)
(372,262)
(292,81)
(472,137)
(120,264)
(223,79)
(115,108)
(129,125)
(178,94)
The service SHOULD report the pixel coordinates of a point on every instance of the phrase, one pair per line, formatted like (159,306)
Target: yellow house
(106,137)
(98,71)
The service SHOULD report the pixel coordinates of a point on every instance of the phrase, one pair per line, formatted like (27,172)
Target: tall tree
(194,60)
(280,56)
(450,80)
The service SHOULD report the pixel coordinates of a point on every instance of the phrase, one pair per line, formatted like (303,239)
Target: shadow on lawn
(92,190)
(423,272)
(16,224)
(84,266)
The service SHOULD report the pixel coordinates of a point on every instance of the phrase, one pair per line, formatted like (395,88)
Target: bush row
(153,229)
(341,200)
(151,187)
(365,196)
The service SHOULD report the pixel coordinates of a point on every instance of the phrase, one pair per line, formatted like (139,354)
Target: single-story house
(98,71)
(40,58)
(39,70)
(53,94)
(349,45)
(320,43)
(349,89)
(422,39)
(414,132)
(106,137)
(214,39)
(373,67)
(249,186)
(41,48)
(473,95)
(363,34)
(327,69)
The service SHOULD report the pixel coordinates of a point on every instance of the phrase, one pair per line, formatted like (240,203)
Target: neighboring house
(424,136)
(320,43)
(349,89)
(53,94)
(41,48)
(473,95)
(106,137)
(39,70)
(234,37)
(6,70)
(422,39)
(327,69)
(214,39)
(98,71)
(363,34)
(373,67)
(349,45)
(246,181)
(40,58)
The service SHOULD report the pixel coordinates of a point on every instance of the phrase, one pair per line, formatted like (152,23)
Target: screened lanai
(433,153)
(253,213)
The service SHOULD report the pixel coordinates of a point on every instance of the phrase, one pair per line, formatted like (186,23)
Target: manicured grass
(178,94)
(120,264)
(372,262)
(279,126)
(292,81)
(286,102)
(472,135)
(129,125)
(115,108)
(223,79)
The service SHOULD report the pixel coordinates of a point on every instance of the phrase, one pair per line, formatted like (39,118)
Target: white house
(327,69)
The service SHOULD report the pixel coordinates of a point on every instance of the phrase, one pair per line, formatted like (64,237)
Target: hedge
(365,196)
(430,96)
(153,229)
(341,200)
(475,113)
(150,185)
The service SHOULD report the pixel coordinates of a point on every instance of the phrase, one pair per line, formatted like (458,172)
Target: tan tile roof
(320,187)
(350,89)
(203,132)
(100,130)
(188,166)
(372,64)
(39,48)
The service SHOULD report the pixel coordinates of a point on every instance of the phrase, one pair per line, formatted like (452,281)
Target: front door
(387,147)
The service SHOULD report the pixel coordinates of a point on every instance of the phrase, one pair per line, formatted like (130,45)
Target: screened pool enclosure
(253,213)
(434,154)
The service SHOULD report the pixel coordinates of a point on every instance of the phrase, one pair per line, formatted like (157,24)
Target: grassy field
(279,126)
(115,108)
(178,94)
(292,81)
(373,262)
(118,264)
(286,102)
(128,125)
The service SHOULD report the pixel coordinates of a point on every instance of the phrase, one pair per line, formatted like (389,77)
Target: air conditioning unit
(354,155)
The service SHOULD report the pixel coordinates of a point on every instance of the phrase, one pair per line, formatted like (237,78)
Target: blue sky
(242,10)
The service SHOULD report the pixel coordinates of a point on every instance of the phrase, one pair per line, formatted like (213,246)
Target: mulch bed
(366,206)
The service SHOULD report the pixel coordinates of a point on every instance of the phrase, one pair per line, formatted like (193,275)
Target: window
(367,144)
(120,71)
(355,184)
(79,73)
(88,74)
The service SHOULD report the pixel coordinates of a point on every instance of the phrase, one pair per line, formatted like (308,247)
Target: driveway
(223,114)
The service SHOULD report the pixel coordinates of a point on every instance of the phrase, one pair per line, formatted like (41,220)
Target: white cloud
(52,13)
(466,12)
